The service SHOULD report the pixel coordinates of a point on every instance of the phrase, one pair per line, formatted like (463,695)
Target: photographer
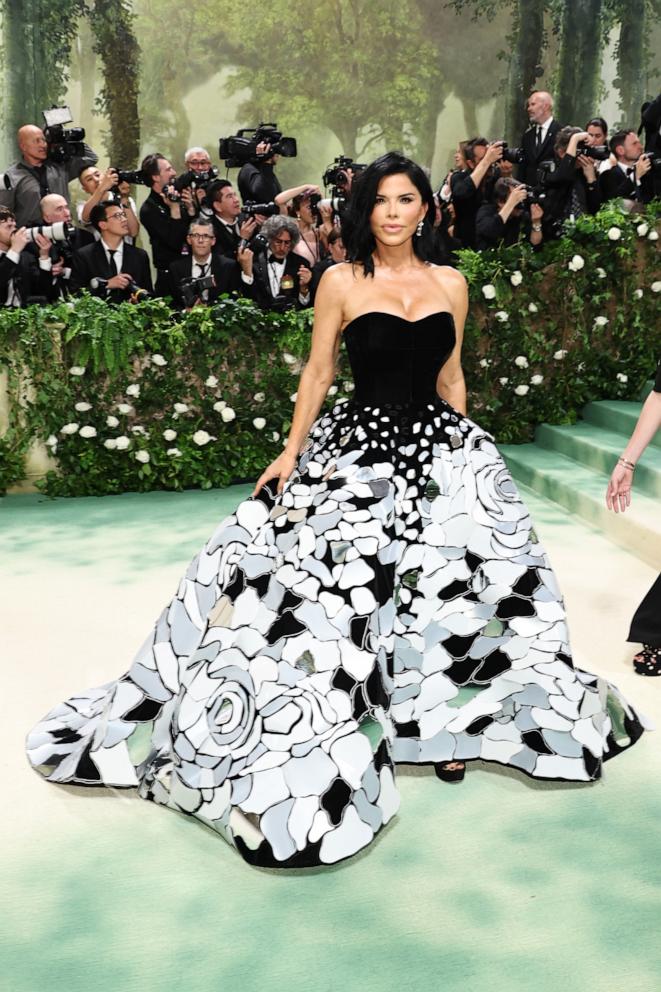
(105,186)
(631,176)
(597,128)
(470,186)
(504,221)
(55,210)
(537,143)
(36,175)
(650,122)
(257,181)
(198,160)
(110,268)
(571,188)
(21,275)
(161,216)
(223,201)
(336,253)
(282,278)
(312,244)
(189,273)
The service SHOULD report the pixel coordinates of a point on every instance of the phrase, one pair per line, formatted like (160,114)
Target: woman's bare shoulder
(448,277)
(343,273)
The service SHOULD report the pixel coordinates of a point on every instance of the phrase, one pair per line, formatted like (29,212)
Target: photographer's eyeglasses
(201,237)
(119,215)
(199,161)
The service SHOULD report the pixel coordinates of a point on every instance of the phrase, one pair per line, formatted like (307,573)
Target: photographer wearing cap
(282,278)
(631,177)
(109,267)
(35,175)
(538,141)
(190,273)
(471,186)
(105,186)
(571,188)
(507,218)
(161,216)
(21,274)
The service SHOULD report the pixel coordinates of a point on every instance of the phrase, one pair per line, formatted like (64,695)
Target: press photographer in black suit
(572,188)
(225,205)
(537,143)
(631,178)
(166,221)
(282,278)
(470,186)
(228,275)
(110,268)
(22,275)
(507,219)
(257,180)
(336,253)
(55,210)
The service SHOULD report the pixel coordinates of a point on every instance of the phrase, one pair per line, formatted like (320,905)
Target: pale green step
(599,449)
(582,491)
(616,415)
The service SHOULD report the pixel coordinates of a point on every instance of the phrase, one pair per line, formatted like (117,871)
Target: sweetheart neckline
(406,320)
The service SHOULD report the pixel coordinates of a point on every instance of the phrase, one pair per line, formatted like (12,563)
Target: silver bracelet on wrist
(627,464)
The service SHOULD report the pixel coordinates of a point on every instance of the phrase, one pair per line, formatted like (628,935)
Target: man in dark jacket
(111,268)
(22,274)
(505,220)
(572,188)
(228,276)
(281,278)
(538,141)
(336,253)
(468,187)
(166,221)
(631,177)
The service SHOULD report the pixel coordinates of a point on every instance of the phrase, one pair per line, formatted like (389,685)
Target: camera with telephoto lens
(134,177)
(192,289)
(250,208)
(239,149)
(597,152)
(513,155)
(61,231)
(63,144)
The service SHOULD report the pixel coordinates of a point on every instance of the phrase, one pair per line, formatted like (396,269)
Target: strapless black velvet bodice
(395,360)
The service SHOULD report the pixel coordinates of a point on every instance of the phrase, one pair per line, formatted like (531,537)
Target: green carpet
(499,884)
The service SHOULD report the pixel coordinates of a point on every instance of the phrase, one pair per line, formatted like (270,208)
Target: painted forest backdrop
(351,76)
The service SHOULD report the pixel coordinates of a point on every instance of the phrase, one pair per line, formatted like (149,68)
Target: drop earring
(418,230)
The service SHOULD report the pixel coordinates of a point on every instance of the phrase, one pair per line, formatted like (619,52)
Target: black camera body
(250,208)
(654,159)
(195,180)
(63,143)
(513,155)
(239,149)
(336,175)
(535,194)
(135,177)
(192,289)
(597,152)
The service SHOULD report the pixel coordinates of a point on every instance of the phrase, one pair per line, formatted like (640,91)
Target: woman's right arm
(317,376)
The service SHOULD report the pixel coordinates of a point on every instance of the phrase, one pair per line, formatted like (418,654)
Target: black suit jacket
(227,241)
(318,270)
(29,278)
(91,263)
(467,199)
(226,273)
(262,288)
(615,184)
(60,286)
(167,236)
(531,156)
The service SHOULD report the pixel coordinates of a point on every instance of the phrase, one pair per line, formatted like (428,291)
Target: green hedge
(574,322)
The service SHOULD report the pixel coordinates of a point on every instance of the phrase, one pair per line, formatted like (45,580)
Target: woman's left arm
(450,383)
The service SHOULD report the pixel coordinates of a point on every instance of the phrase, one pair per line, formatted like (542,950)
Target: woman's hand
(618,494)
(280,469)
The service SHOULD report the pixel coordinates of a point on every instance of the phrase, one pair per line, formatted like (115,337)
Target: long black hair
(356,229)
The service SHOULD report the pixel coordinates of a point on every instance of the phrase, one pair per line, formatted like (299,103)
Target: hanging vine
(117,47)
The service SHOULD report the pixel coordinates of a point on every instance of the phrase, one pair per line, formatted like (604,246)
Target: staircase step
(598,449)
(616,415)
(582,491)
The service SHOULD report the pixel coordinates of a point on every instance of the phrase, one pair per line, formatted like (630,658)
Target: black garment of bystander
(567,194)
(258,183)
(21,278)
(167,236)
(225,271)
(493,232)
(91,263)
(29,184)
(467,199)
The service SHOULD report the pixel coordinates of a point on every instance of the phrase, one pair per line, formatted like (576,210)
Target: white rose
(125,408)
(349,387)
(173,453)
(521,390)
(489,292)
(122,442)
(110,443)
(169,434)
(69,429)
(158,360)
(502,316)
(642,229)
(331,391)
(142,456)
(77,370)
(536,380)
(521,362)
(614,233)
(577,262)
(112,421)
(259,423)
(181,407)
(139,430)
(560,354)
(87,431)
(653,236)
(516,278)
(532,308)
(259,397)
(288,359)
(600,321)
(51,441)
(293,397)
(503,381)
(484,363)
(201,437)
(211,382)
(275,436)
(621,377)
(83,407)
(219,406)
(638,293)
(601,273)
(133,389)
(656,287)
(227,414)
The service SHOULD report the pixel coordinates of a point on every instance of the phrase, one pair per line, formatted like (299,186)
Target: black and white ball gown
(393,604)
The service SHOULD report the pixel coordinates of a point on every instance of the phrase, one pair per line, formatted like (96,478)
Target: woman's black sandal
(648,661)
(447,774)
